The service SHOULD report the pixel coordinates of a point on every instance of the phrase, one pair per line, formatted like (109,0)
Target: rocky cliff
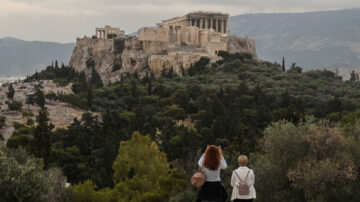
(113,57)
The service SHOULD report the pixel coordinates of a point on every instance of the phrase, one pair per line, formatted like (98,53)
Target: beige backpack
(199,178)
(243,187)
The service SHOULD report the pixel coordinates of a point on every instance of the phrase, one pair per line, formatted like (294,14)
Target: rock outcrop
(175,43)
(113,57)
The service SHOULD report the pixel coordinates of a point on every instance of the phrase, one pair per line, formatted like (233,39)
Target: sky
(65,20)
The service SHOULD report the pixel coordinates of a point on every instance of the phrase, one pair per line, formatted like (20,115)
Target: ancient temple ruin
(197,28)
(175,44)
(108,32)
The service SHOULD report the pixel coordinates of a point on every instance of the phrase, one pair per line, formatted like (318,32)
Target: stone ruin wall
(132,54)
(156,48)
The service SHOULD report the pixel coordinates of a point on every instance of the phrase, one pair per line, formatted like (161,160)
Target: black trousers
(240,200)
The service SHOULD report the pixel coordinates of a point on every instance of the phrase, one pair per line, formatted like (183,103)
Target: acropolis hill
(174,43)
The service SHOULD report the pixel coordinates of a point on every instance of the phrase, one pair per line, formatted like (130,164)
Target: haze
(64,20)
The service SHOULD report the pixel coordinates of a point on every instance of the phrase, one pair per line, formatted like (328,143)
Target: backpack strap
(238,176)
(242,181)
(247,175)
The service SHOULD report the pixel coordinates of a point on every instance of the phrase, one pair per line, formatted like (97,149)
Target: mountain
(18,57)
(314,40)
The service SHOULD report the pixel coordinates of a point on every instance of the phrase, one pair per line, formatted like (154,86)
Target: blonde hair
(243,160)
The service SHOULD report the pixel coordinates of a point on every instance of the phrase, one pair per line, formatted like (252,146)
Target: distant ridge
(322,39)
(19,57)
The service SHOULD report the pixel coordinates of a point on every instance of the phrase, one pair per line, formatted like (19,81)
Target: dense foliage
(246,106)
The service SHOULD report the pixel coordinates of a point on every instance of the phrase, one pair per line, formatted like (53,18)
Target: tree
(95,78)
(11,92)
(149,87)
(21,178)
(89,98)
(15,105)
(38,97)
(303,161)
(41,137)
(354,76)
(283,65)
(141,173)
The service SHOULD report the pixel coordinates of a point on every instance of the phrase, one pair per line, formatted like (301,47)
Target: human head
(212,157)
(243,160)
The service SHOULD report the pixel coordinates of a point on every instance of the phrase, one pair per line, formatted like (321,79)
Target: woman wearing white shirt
(212,162)
(246,174)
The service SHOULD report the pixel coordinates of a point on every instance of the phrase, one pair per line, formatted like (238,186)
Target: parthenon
(204,30)
(202,20)
(108,32)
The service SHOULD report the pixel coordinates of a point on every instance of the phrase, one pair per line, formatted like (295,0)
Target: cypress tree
(89,98)
(95,78)
(41,137)
(283,65)
(149,88)
(11,92)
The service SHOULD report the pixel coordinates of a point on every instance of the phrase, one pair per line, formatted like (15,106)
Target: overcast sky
(64,20)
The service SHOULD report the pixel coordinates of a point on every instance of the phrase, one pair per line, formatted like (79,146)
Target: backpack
(243,188)
(199,178)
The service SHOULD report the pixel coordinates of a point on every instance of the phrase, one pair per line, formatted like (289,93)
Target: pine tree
(163,72)
(182,70)
(136,75)
(39,96)
(89,98)
(56,64)
(95,78)
(41,137)
(283,65)
(11,92)
(152,75)
(353,76)
(150,88)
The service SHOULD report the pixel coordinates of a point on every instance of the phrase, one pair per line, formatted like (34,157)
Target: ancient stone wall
(153,34)
(177,43)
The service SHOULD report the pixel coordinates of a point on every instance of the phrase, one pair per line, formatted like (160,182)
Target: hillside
(313,40)
(245,105)
(18,57)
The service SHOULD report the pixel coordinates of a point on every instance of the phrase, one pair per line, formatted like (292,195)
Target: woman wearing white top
(212,162)
(242,172)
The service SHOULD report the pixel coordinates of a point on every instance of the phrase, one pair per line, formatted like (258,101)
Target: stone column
(188,22)
(224,27)
(211,24)
(206,23)
(201,24)
(219,26)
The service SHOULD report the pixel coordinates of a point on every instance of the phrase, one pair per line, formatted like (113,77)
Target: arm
(233,178)
(201,160)
(223,163)
(252,178)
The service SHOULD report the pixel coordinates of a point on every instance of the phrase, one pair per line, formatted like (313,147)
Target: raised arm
(201,160)
(233,179)
(223,164)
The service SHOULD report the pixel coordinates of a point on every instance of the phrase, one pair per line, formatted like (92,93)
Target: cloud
(79,17)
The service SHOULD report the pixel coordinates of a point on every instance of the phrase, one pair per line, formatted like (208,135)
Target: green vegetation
(23,179)
(11,92)
(276,117)
(15,105)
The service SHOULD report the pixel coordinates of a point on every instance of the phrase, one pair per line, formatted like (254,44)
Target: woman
(212,162)
(247,176)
